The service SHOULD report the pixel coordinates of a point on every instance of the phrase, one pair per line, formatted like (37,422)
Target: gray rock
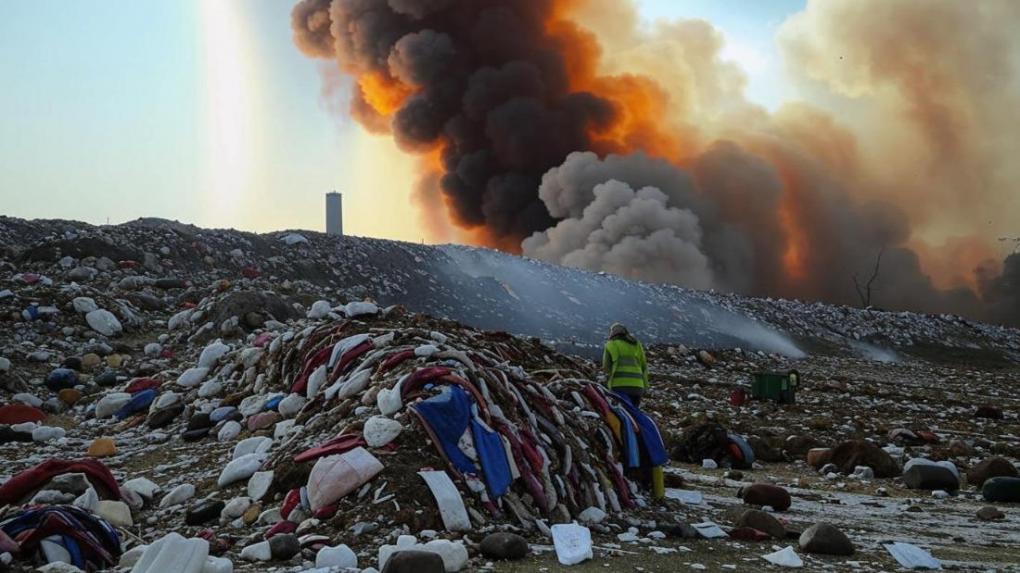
(757,519)
(504,546)
(410,561)
(284,546)
(825,539)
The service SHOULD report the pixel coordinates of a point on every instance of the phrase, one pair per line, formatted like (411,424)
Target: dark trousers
(634,394)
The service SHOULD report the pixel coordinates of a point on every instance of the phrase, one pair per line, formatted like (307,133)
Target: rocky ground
(193,366)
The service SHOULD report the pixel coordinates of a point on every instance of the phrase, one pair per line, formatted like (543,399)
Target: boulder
(818,457)
(414,561)
(504,546)
(765,494)
(928,475)
(990,513)
(989,468)
(204,512)
(116,512)
(825,539)
(104,322)
(1002,489)
(851,454)
(241,469)
(757,519)
(178,495)
(283,547)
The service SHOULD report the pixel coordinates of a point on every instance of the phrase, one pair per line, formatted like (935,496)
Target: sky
(203,111)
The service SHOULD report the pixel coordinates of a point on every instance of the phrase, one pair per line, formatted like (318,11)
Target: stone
(341,557)
(851,454)
(85,305)
(73,483)
(1002,489)
(764,494)
(110,378)
(61,378)
(263,420)
(928,475)
(504,546)
(69,396)
(356,309)
(102,448)
(178,495)
(104,322)
(192,377)
(212,354)
(989,412)
(165,416)
(414,561)
(291,405)
(990,513)
(259,484)
(116,512)
(592,516)
(235,508)
(757,519)
(198,421)
(240,469)
(47,433)
(110,403)
(284,546)
(143,487)
(380,431)
(818,457)
(989,468)
(204,512)
(229,431)
(319,309)
(825,539)
(253,445)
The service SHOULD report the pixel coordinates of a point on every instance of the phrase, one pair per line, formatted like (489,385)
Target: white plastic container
(572,543)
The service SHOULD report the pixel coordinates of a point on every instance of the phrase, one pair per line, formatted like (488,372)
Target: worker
(624,363)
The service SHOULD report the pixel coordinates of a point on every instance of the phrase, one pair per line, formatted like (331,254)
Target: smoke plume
(609,145)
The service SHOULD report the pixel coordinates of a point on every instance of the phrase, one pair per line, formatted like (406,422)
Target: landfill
(181,399)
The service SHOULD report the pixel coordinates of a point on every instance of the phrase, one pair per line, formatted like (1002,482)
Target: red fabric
(349,357)
(396,359)
(317,359)
(339,445)
(24,483)
(290,501)
(20,413)
(141,384)
(281,528)
(328,511)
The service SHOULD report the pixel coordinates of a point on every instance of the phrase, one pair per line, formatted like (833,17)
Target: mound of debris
(483,288)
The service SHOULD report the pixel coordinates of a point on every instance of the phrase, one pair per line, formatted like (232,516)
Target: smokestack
(334,214)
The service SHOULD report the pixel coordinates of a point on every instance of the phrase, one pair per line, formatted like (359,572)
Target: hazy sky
(203,111)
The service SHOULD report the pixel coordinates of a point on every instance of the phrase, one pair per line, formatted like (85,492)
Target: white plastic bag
(572,543)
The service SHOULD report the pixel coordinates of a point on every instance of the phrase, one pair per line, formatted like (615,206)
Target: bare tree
(865,291)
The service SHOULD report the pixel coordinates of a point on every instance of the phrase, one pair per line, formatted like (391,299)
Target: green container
(776,386)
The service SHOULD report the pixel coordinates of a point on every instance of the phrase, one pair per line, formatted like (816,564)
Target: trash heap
(526,449)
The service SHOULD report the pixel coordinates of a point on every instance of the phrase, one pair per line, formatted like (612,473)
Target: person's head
(618,330)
